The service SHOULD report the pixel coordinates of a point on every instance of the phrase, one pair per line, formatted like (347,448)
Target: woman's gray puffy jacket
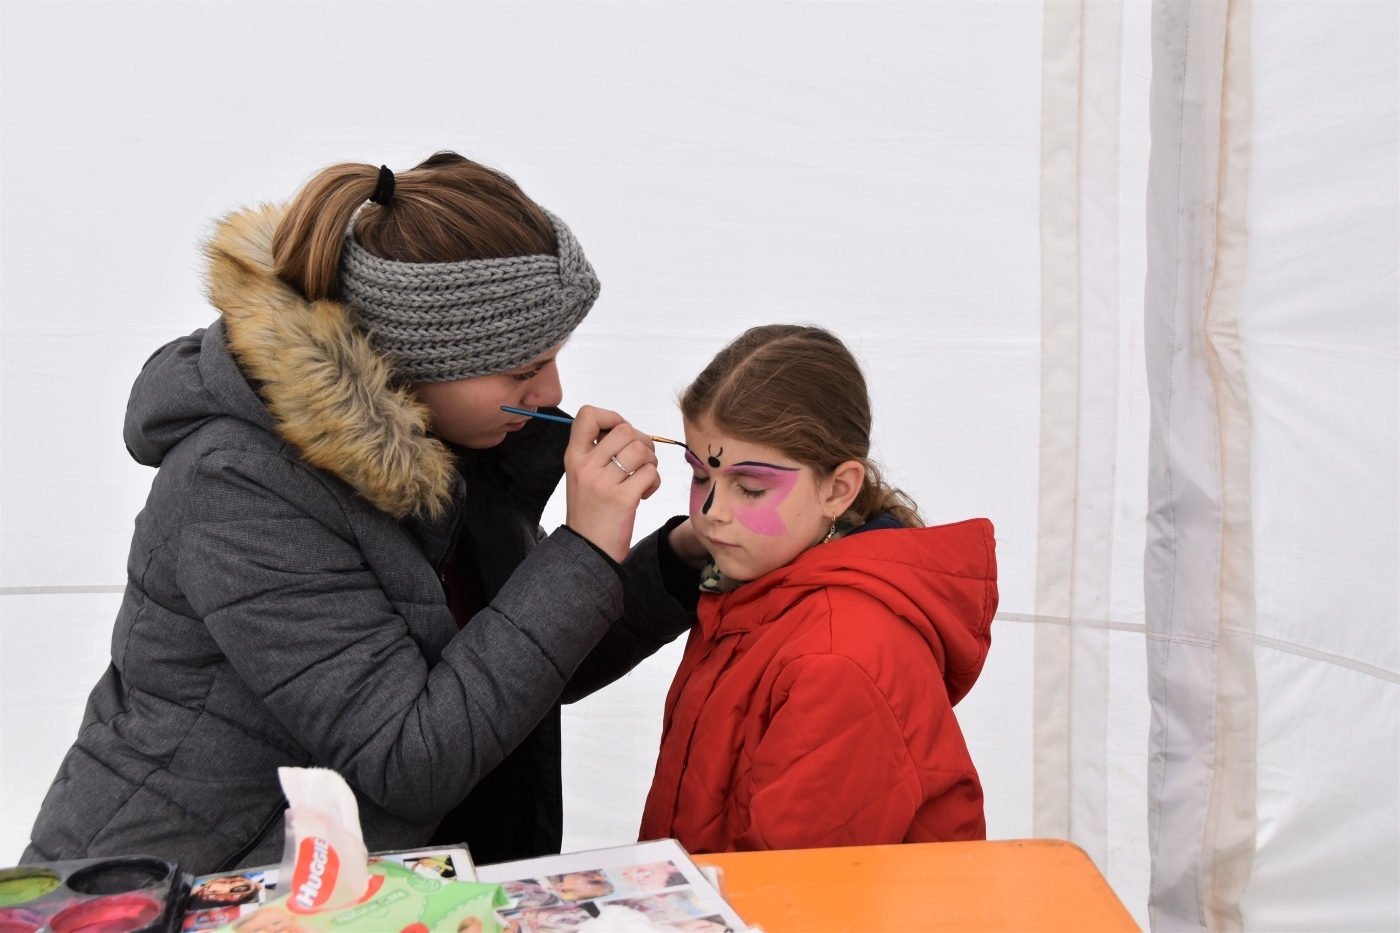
(277,613)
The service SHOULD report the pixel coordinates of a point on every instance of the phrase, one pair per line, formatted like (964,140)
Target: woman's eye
(752,493)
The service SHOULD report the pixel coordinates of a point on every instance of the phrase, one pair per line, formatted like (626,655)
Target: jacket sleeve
(832,768)
(270,563)
(657,608)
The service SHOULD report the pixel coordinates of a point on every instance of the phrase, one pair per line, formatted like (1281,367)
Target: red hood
(941,580)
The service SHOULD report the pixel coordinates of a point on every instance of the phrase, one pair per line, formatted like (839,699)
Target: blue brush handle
(537,414)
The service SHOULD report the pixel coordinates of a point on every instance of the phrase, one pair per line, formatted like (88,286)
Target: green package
(402,902)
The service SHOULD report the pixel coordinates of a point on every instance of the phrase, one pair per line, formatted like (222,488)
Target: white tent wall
(871,168)
(1272,557)
(907,175)
(1319,321)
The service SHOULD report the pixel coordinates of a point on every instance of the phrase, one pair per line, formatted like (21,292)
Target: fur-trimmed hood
(330,395)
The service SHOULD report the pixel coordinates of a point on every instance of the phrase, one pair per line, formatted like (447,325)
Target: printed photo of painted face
(553,919)
(672,905)
(210,918)
(528,893)
(754,508)
(432,866)
(651,877)
(581,885)
(225,891)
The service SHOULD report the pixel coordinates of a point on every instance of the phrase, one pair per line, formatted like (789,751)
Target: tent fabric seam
(1263,641)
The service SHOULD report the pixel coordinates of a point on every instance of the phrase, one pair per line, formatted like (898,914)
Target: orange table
(1021,885)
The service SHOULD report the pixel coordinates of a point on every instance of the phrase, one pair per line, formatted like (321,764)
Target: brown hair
(444,209)
(799,390)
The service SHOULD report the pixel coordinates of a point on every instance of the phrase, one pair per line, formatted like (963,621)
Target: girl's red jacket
(814,705)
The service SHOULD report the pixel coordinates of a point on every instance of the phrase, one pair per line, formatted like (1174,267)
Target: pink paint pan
(116,913)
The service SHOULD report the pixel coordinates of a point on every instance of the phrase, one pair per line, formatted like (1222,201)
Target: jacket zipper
(456,531)
(232,862)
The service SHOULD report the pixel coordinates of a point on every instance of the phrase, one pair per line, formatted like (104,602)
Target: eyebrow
(766,466)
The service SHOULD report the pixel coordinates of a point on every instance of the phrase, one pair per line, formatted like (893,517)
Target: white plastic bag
(324,861)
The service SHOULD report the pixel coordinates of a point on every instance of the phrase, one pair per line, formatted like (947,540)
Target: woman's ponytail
(306,248)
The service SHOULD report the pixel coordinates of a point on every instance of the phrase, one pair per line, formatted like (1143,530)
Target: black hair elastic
(384,189)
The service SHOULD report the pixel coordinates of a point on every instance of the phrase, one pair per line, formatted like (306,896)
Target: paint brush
(562,420)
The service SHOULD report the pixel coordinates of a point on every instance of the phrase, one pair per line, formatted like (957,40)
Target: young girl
(814,704)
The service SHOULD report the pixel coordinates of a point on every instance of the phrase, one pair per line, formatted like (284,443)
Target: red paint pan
(119,913)
(17,920)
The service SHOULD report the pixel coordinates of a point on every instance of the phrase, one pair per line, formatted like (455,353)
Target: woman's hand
(686,543)
(603,495)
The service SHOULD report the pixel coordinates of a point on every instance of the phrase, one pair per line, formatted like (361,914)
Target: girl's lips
(719,544)
(517,425)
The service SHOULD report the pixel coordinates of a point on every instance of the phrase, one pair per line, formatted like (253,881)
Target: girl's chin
(742,571)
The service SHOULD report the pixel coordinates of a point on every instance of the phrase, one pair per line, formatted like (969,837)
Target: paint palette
(106,895)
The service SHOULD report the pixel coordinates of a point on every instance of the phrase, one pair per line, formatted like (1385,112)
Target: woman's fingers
(610,467)
(635,456)
(625,439)
(598,435)
(589,425)
(647,479)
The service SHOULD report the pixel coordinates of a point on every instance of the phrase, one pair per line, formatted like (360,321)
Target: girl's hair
(799,390)
(444,209)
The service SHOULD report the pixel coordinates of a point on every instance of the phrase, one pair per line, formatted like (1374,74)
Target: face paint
(763,518)
(714,458)
(697,490)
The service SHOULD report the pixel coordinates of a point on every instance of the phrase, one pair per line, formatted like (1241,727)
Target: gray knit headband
(440,321)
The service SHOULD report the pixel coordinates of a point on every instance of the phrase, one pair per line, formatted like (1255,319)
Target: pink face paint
(763,518)
(698,502)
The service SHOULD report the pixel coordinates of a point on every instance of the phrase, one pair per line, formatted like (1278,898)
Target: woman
(339,563)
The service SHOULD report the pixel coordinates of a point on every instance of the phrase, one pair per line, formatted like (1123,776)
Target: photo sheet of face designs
(654,879)
(218,900)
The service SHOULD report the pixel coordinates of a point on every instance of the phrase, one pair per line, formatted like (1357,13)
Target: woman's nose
(546,391)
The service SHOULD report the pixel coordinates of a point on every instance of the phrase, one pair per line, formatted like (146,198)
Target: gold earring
(830,533)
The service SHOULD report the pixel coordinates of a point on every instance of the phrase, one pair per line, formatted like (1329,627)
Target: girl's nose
(716,509)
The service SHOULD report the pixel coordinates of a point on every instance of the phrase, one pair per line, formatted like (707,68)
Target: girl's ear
(844,485)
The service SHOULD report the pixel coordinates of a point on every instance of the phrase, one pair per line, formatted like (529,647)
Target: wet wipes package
(398,899)
(328,882)
(104,895)
(324,855)
(231,900)
(225,899)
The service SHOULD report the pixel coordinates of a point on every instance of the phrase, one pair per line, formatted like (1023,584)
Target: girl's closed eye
(700,475)
(524,377)
(751,493)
